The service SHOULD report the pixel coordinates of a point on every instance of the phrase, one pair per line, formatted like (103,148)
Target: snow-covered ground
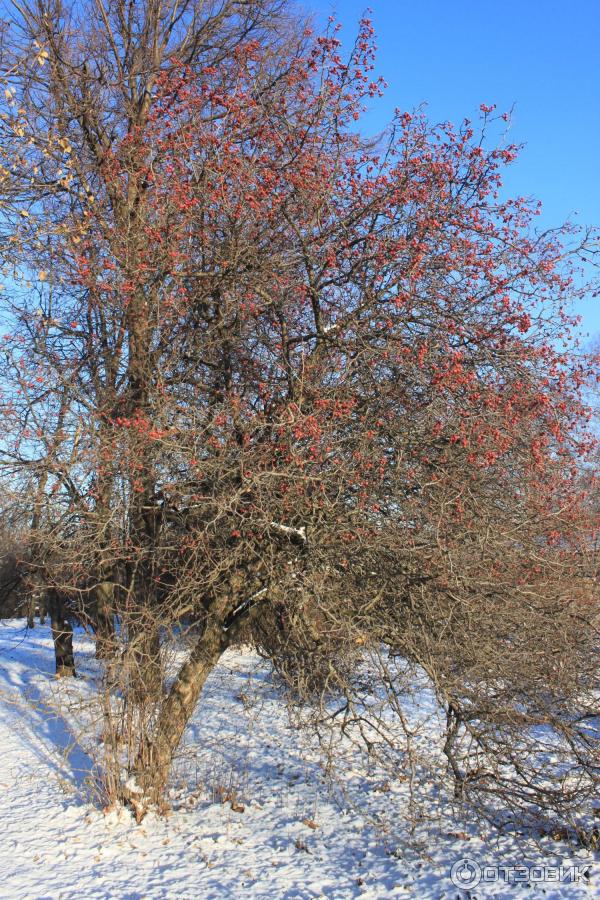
(281,833)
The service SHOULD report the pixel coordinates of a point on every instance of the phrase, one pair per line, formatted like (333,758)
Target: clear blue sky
(540,56)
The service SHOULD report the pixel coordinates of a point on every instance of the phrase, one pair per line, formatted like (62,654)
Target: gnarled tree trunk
(156,754)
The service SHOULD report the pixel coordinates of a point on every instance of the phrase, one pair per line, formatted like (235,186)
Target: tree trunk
(36,605)
(143,643)
(62,634)
(105,619)
(156,754)
(30,613)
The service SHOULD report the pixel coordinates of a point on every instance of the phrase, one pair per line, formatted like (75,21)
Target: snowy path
(56,846)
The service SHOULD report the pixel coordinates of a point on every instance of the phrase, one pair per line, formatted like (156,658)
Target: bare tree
(280,383)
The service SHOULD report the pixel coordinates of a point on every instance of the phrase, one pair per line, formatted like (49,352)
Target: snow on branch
(298,535)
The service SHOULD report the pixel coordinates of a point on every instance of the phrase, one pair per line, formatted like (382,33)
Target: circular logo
(465,874)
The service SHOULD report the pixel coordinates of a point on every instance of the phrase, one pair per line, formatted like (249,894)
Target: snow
(133,787)
(299,533)
(252,816)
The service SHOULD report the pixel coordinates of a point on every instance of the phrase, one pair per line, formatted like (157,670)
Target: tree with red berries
(282,384)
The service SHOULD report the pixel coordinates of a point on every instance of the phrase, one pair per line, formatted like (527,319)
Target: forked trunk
(156,755)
